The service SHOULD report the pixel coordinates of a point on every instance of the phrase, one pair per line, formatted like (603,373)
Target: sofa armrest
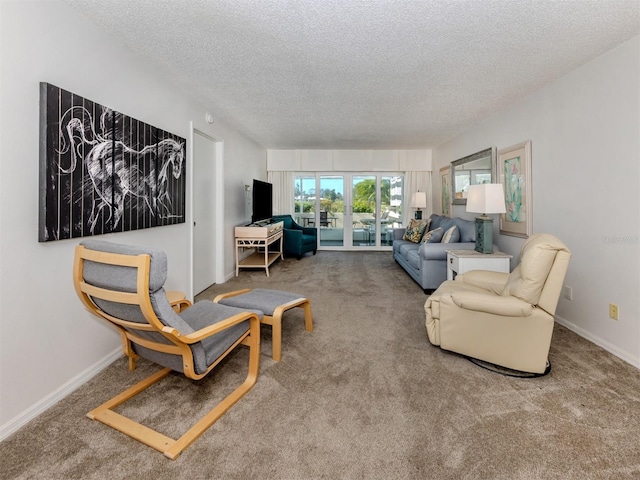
(309,231)
(398,233)
(438,251)
(492,304)
(292,239)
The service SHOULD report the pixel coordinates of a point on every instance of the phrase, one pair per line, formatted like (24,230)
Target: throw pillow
(424,222)
(414,231)
(432,236)
(451,236)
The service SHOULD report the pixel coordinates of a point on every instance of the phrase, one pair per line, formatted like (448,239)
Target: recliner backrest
(538,278)
(124,279)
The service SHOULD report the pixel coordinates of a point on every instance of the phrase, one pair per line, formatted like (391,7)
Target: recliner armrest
(492,304)
(493,282)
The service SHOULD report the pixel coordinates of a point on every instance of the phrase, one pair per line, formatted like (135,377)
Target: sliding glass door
(350,211)
(331,215)
(364,189)
(304,205)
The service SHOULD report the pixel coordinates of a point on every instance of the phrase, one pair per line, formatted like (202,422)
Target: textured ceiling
(362,74)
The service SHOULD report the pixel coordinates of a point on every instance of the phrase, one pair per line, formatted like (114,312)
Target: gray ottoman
(273,303)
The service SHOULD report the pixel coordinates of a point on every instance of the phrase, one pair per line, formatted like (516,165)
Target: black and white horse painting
(102,171)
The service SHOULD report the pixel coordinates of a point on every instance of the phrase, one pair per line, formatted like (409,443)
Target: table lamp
(486,198)
(419,201)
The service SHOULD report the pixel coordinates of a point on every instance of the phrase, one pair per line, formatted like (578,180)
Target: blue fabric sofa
(426,263)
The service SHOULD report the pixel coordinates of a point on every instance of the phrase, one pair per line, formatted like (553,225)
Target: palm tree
(364,195)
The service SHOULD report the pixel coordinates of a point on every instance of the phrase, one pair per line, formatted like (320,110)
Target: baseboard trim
(626,356)
(58,394)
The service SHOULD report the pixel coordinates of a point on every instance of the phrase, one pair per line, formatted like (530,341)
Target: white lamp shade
(419,200)
(486,198)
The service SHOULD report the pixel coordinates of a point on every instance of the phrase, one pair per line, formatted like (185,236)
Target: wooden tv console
(258,236)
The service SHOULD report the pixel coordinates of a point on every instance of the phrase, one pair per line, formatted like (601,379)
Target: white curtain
(416,182)
(283,192)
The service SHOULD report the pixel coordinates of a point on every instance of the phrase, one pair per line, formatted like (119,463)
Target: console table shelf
(258,238)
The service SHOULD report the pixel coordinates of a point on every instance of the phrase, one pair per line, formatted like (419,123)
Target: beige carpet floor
(363,396)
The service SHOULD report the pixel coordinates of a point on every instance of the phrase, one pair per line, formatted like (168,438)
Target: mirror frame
(487,152)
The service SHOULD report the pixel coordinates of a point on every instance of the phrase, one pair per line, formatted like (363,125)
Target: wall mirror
(471,170)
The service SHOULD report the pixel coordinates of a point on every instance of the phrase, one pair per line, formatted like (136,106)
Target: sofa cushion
(451,236)
(467,229)
(406,247)
(435,221)
(446,223)
(415,230)
(433,236)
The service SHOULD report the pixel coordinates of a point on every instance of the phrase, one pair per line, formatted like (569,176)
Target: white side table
(461,261)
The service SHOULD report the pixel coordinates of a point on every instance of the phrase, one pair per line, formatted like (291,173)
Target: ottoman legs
(250,299)
(276,324)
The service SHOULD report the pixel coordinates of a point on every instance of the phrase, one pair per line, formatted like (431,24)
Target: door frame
(218,223)
(348,205)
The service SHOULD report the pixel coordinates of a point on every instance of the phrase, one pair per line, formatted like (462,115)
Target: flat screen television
(262,201)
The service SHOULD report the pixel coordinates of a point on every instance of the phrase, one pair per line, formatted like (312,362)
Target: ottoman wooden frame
(275,320)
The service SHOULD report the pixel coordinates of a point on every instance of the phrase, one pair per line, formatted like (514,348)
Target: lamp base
(484,234)
(418,215)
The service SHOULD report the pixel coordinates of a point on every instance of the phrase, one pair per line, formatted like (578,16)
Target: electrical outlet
(568,292)
(613,311)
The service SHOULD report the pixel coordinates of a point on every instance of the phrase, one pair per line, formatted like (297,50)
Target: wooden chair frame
(179,346)
(275,320)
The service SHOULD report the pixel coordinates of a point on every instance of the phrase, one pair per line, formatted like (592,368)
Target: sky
(331,183)
(336,183)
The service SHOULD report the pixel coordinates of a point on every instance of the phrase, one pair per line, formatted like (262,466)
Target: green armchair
(298,240)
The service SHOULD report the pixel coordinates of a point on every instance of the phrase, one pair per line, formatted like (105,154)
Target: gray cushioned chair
(123,285)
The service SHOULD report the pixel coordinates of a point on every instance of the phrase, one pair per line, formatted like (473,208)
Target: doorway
(206,205)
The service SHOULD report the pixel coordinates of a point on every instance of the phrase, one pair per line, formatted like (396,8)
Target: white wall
(585,133)
(48,342)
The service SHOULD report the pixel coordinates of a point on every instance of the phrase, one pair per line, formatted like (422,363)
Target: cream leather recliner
(500,318)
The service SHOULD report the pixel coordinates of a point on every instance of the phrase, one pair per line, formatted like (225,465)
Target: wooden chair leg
(169,447)
(253,342)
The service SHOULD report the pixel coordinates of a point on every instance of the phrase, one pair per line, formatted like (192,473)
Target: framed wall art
(445,190)
(102,171)
(514,170)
